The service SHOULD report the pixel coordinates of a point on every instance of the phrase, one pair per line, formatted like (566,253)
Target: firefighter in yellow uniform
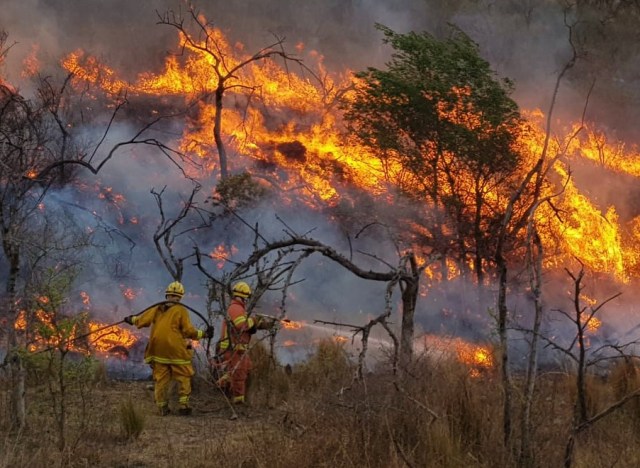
(166,352)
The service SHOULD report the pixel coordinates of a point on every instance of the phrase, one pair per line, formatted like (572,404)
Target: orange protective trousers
(237,366)
(163,374)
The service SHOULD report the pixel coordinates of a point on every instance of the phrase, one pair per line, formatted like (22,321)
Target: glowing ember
(86,300)
(593,324)
(128,293)
(21,321)
(222,254)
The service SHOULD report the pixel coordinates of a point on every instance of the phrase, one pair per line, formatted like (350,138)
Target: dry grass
(132,420)
(440,416)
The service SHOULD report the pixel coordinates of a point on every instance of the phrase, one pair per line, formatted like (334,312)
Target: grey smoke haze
(525,41)
(126,35)
(528,46)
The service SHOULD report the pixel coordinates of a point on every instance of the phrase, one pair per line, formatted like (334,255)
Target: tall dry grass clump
(132,420)
(268,383)
(327,369)
(624,379)
(438,415)
(457,411)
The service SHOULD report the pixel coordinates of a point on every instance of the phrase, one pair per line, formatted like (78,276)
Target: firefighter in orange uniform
(166,352)
(233,344)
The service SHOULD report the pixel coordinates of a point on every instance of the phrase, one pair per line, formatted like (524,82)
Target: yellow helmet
(241,289)
(175,289)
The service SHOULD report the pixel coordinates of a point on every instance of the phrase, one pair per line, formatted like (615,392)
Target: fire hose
(105,327)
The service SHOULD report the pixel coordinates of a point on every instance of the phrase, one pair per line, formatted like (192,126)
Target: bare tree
(26,145)
(165,236)
(200,36)
(38,150)
(289,250)
(519,210)
(579,352)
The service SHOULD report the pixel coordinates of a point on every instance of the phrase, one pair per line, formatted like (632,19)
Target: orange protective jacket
(170,325)
(242,327)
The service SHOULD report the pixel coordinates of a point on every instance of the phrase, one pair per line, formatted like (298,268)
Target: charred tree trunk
(579,320)
(535,267)
(479,241)
(409,287)
(16,369)
(409,298)
(217,132)
(504,353)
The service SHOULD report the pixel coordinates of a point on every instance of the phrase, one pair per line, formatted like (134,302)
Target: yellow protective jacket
(170,325)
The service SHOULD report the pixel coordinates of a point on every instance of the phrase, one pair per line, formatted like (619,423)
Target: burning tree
(446,130)
(226,71)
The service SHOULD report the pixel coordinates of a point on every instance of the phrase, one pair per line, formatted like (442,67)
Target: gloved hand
(265,323)
(129,319)
(208,333)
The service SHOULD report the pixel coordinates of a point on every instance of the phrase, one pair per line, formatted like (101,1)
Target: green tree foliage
(238,191)
(446,129)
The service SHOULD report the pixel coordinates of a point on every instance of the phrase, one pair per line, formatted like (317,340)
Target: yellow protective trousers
(163,374)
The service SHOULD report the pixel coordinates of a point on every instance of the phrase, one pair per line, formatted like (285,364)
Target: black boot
(185,411)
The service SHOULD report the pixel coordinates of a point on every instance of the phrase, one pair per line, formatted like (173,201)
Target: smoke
(525,41)
(127,36)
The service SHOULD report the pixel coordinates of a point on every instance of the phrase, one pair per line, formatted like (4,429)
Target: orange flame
(110,337)
(222,254)
(104,340)
(291,325)
(478,358)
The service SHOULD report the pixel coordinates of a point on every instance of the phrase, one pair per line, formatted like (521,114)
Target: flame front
(286,128)
(320,159)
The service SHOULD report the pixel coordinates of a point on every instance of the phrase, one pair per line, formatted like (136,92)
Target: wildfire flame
(100,337)
(312,145)
(478,358)
(111,337)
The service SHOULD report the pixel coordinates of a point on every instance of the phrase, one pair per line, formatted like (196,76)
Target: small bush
(132,420)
